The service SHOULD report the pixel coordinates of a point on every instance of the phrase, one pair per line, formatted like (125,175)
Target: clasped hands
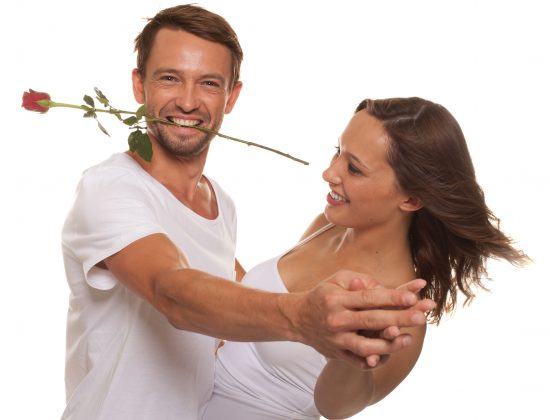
(352,317)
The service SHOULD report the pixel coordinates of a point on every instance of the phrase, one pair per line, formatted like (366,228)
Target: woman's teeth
(338,197)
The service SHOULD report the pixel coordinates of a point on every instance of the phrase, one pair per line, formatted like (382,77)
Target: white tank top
(266,380)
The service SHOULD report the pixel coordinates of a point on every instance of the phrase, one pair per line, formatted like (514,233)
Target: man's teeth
(337,197)
(186,123)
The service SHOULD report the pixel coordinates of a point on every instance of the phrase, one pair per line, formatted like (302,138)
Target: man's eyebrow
(164,70)
(216,76)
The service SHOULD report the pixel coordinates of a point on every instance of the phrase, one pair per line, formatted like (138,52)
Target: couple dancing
(149,246)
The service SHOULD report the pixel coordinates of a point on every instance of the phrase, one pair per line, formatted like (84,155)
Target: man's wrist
(288,304)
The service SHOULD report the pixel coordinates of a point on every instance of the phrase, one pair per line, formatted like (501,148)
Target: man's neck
(183,177)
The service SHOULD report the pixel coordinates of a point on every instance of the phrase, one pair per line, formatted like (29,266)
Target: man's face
(186,81)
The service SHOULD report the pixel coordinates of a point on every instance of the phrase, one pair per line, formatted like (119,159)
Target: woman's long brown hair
(454,233)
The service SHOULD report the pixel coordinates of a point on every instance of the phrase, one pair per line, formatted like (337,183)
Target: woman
(403,203)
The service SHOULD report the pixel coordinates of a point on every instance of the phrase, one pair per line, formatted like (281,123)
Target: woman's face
(364,193)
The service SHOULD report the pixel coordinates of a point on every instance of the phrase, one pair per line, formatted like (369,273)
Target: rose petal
(30,99)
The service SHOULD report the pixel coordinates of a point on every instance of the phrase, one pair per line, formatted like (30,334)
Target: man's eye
(211,83)
(167,78)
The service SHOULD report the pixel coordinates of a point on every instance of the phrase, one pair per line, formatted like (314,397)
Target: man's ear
(137,85)
(411,204)
(233,96)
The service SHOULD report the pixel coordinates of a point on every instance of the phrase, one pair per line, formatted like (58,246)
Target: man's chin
(186,148)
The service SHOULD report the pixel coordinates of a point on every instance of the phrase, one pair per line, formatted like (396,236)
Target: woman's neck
(385,253)
(384,257)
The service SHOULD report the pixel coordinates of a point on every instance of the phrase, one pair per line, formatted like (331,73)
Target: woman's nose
(331,174)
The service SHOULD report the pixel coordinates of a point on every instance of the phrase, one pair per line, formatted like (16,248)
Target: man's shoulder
(118,168)
(118,162)
(118,176)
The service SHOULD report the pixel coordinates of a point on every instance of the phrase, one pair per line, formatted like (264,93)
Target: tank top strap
(309,238)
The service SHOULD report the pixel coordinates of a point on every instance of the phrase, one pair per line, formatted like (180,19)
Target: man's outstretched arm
(327,317)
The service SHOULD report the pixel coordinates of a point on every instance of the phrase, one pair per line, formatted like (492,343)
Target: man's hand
(392,332)
(329,316)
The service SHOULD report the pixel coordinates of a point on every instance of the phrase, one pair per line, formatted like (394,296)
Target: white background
(307,65)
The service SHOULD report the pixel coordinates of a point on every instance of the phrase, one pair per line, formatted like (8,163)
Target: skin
(372,221)
(190,84)
(188,78)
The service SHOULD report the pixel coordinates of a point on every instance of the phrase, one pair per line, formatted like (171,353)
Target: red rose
(31,98)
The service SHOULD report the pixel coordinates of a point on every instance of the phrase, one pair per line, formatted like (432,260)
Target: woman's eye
(353,170)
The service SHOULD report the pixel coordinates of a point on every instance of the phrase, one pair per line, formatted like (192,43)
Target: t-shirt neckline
(197,216)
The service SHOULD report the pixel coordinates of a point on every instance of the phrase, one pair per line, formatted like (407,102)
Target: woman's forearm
(342,390)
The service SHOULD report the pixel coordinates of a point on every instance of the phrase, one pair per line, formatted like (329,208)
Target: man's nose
(188,99)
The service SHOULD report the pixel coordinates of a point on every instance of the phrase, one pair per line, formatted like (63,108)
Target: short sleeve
(111,210)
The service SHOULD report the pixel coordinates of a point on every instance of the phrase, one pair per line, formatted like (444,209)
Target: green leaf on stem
(90,114)
(103,129)
(101,97)
(130,120)
(139,142)
(89,100)
(140,112)
(116,114)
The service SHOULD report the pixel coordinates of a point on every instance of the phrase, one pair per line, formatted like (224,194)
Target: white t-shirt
(124,360)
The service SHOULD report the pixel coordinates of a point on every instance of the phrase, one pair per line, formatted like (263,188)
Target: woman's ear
(411,204)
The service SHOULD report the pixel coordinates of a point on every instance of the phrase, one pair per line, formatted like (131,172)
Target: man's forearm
(326,317)
(196,301)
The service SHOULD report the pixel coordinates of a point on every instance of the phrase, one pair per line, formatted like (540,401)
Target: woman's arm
(343,390)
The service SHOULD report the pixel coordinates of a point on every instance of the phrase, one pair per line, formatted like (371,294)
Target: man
(149,246)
